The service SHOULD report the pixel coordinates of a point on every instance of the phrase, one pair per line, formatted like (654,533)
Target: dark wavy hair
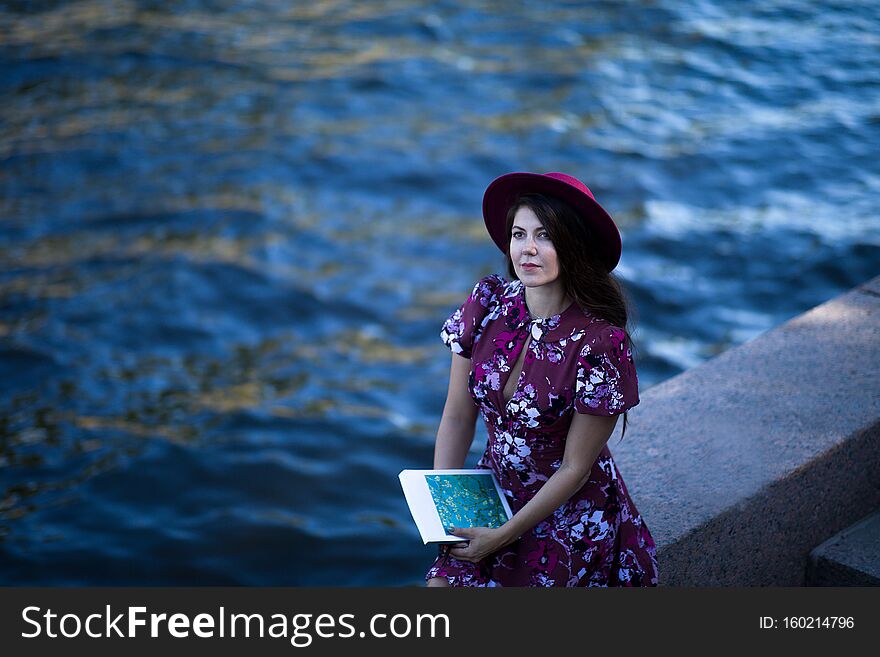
(583,276)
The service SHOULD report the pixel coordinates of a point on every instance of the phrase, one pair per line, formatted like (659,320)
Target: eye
(517,234)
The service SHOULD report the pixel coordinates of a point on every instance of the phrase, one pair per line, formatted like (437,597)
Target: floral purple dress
(576,362)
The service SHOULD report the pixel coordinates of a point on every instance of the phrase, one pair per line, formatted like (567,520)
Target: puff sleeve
(607,383)
(463,328)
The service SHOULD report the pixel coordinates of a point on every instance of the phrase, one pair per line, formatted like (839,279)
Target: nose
(530,246)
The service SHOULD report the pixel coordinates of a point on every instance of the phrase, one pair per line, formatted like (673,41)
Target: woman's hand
(483,541)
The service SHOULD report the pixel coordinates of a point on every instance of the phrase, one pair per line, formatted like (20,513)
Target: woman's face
(532,252)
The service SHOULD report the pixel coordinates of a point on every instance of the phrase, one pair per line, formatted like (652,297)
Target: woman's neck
(547,300)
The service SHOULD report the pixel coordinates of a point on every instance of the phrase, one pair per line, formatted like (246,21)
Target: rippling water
(231,230)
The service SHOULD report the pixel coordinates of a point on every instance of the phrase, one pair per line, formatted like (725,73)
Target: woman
(547,361)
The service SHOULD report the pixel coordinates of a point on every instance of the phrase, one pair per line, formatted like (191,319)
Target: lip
(530,265)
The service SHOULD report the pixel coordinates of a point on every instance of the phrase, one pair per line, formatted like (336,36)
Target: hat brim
(502,191)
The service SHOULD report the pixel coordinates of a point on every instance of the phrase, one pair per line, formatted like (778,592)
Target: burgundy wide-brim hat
(502,191)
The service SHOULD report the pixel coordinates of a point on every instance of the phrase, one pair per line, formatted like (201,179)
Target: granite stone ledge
(849,558)
(870,287)
(744,464)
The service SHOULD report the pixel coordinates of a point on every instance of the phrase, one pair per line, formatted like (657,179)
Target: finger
(460,553)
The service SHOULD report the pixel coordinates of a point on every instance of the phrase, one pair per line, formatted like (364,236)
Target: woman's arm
(585,440)
(456,431)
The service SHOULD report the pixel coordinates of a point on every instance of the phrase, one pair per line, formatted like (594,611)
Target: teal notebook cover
(466,500)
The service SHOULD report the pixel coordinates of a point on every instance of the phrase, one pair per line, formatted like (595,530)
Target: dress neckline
(541,329)
(552,328)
